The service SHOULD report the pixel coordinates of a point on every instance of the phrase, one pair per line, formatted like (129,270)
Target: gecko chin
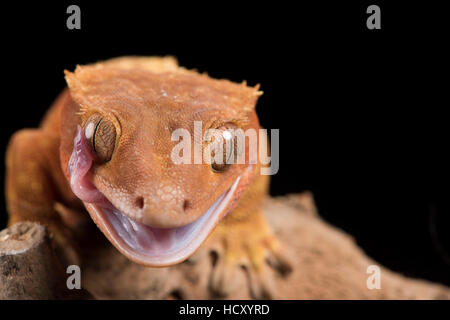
(143,244)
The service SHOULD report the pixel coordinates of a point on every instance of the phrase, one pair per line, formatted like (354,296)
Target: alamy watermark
(74,20)
(374,20)
(74,280)
(227,146)
(374,280)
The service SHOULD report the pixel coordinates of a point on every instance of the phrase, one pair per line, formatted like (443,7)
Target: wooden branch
(29,268)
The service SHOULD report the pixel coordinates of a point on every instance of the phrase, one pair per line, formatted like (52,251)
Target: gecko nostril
(140,202)
(186,205)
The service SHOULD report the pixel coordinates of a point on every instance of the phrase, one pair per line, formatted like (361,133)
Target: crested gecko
(104,147)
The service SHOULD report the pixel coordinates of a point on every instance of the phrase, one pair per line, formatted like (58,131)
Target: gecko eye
(223,150)
(101,132)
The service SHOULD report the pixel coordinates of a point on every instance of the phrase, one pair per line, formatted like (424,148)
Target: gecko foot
(250,247)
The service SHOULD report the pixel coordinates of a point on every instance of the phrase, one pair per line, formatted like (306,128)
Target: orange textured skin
(146,99)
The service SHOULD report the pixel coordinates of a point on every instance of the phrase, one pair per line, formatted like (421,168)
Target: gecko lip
(158,246)
(141,243)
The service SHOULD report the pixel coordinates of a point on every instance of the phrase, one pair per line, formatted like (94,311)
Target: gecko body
(104,147)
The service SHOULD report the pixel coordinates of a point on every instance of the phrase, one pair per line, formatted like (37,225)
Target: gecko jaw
(158,247)
(143,244)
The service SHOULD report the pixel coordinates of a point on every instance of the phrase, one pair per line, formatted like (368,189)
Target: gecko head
(153,208)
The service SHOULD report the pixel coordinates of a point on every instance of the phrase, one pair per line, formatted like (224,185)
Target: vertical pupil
(95,131)
(228,144)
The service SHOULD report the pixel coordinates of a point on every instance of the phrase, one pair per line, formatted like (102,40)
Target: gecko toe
(280,261)
(224,277)
(261,283)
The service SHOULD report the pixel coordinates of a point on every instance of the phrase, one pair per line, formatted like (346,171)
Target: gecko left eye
(101,132)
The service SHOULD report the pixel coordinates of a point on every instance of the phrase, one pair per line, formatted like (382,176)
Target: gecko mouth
(141,243)
(153,246)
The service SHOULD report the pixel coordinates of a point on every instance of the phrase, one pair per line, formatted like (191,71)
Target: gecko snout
(140,203)
(163,211)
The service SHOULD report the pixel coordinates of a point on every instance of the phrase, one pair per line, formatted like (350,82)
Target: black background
(361,113)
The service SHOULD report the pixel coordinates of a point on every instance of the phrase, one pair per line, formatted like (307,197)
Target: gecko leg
(35,187)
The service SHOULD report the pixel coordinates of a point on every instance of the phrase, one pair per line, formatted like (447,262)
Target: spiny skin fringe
(83,110)
(256,88)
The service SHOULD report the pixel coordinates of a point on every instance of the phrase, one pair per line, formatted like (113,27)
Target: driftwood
(29,268)
(327,265)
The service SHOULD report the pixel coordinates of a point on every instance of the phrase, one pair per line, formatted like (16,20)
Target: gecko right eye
(101,132)
(222,161)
